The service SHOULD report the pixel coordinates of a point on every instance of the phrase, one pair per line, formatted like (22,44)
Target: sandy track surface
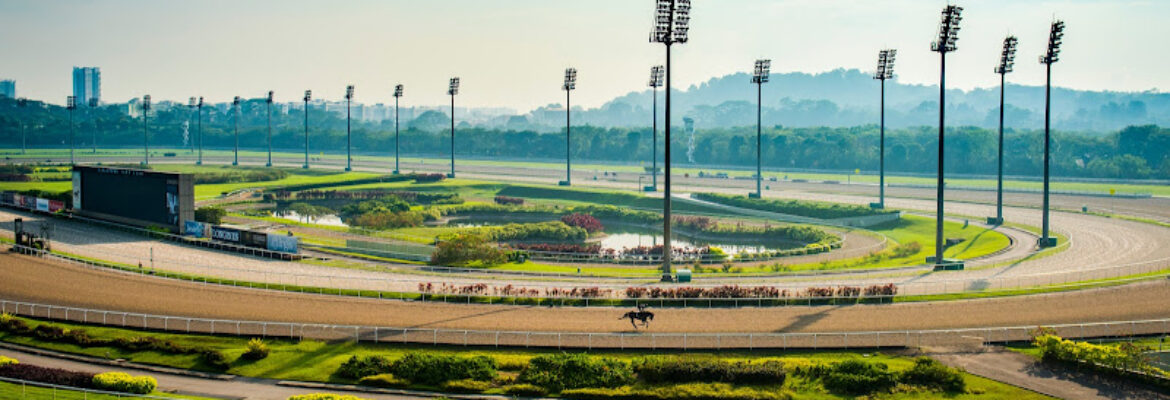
(42,281)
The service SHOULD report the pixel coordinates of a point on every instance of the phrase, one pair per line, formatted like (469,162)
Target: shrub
(549,230)
(123,382)
(426,178)
(858,377)
(583,221)
(570,371)
(384,381)
(210,214)
(676,370)
(360,367)
(691,391)
(214,359)
(463,249)
(930,373)
(257,350)
(7,361)
(467,386)
(509,201)
(433,369)
(47,375)
(525,390)
(324,396)
(1106,357)
(906,250)
(804,208)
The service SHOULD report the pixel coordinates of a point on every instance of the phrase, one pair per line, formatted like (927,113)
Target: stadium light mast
(145,130)
(1007,60)
(199,128)
(885,70)
(22,103)
(1052,56)
(236,121)
(452,90)
(348,133)
(760,77)
(93,103)
(671,25)
(655,83)
(397,95)
(71,104)
(308,96)
(191,106)
(269,102)
(948,36)
(570,84)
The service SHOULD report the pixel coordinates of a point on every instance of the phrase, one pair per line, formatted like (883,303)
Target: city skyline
(516,65)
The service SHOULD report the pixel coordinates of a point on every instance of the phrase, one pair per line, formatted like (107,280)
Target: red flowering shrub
(584,221)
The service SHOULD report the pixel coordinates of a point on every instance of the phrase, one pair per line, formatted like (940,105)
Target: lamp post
(22,104)
(1006,60)
(452,90)
(145,130)
(308,96)
(1051,57)
(759,77)
(191,106)
(948,36)
(348,132)
(671,25)
(71,104)
(93,103)
(655,83)
(236,121)
(885,70)
(570,84)
(199,128)
(397,95)
(268,101)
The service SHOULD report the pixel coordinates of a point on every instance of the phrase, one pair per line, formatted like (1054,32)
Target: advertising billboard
(225,234)
(284,243)
(193,228)
(133,196)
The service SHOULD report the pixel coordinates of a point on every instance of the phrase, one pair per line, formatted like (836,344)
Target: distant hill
(850,97)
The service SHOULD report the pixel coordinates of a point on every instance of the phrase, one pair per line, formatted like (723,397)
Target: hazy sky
(512,53)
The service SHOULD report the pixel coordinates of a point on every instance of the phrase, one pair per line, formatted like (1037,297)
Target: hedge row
(691,391)
(681,370)
(803,208)
(429,369)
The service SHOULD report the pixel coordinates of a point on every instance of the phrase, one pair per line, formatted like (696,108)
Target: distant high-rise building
(8,89)
(87,85)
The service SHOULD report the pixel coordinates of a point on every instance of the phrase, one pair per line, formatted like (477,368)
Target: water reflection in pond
(327,219)
(630,237)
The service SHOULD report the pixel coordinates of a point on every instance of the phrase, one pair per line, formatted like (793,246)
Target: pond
(618,237)
(327,219)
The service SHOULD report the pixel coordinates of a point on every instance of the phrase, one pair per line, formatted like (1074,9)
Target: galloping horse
(641,315)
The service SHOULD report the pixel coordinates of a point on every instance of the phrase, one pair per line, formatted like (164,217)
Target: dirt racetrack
(37,280)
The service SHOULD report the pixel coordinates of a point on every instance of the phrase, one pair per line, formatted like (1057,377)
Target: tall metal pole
(882,152)
(1045,241)
(568,140)
(72,106)
(348,136)
(199,127)
(269,129)
(666,246)
(452,173)
(236,122)
(939,242)
(396,134)
(759,139)
(999,173)
(145,130)
(308,94)
(654,148)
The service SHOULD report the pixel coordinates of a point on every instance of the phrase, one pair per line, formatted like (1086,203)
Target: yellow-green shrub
(384,381)
(324,396)
(7,361)
(123,382)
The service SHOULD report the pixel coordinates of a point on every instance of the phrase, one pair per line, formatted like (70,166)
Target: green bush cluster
(467,250)
(569,371)
(256,350)
(803,208)
(466,386)
(681,370)
(433,369)
(358,367)
(858,377)
(1123,356)
(384,381)
(7,361)
(391,204)
(238,175)
(928,372)
(53,333)
(525,390)
(123,382)
(210,214)
(324,396)
(690,391)
(546,231)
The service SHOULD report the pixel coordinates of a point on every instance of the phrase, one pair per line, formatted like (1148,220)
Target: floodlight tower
(885,70)
(452,90)
(269,102)
(1052,56)
(655,83)
(760,77)
(671,23)
(191,106)
(1007,60)
(22,103)
(348,133)
(236,121)
(948,36)
(199,128)
(145,130)
(93,103)
(570,84)
(397,95)
(308,96)
(71,104)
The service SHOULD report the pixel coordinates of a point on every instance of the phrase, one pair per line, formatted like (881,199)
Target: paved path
(1026,372)
(235,388)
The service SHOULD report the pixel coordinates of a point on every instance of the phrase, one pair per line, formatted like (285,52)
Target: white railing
(41,390)
(587,340)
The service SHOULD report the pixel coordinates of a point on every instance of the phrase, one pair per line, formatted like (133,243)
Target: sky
(512,53)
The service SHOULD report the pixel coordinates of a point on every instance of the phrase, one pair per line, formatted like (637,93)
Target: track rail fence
(582,340)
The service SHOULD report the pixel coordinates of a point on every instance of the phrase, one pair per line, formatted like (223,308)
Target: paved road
(1026,372)
(236,388)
